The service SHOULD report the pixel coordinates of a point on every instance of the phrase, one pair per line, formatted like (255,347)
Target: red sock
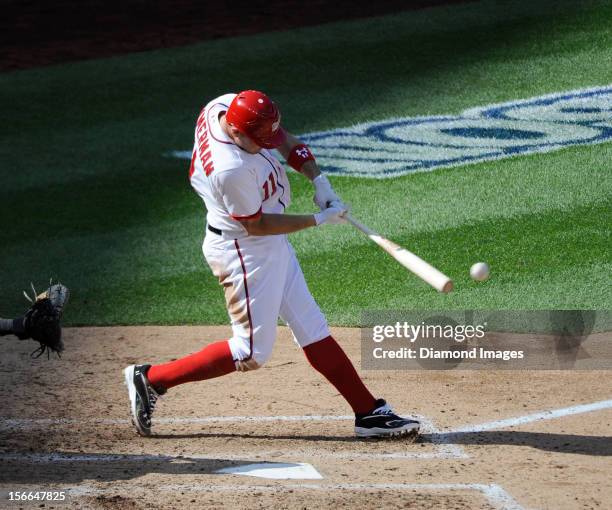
(327,357)
(213,361)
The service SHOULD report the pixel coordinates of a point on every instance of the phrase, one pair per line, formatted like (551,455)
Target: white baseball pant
(262,281)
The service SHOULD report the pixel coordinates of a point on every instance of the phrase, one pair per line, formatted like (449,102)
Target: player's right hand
(324,193)
(332,215)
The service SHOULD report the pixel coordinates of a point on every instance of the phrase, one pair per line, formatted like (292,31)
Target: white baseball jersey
(261,276)
(233,183)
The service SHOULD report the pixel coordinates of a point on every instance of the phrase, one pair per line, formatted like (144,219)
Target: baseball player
(246,191)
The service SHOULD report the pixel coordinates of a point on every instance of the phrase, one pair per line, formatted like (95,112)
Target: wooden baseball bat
(409,260)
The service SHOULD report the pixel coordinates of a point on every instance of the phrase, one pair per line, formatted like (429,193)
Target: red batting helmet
(254,114)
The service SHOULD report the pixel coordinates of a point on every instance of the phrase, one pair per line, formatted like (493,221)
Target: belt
(215,230)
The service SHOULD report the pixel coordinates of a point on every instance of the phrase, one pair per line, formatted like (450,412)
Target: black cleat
(142,397)
(383,422)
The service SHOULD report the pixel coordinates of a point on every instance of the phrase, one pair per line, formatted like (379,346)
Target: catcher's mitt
(41,322)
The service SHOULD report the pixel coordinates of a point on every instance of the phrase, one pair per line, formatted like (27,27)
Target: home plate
(275,470)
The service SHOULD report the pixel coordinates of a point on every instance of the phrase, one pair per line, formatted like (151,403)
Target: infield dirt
(65,426)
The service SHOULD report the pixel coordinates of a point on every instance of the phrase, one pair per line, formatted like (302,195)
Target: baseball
(479,271)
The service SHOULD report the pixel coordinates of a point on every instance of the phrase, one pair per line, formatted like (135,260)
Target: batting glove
(332,215)
(324,193)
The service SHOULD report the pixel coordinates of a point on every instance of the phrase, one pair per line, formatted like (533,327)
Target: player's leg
(253,296)
(240,268)
(251,274)
(145,382)
(302,314)
(373,417)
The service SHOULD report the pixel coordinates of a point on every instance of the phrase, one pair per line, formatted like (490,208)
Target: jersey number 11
(266,187)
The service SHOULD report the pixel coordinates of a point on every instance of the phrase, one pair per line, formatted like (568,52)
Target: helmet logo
(275,125)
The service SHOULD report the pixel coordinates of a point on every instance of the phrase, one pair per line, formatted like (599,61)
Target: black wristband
(19,327)
(6,327)
(13,327)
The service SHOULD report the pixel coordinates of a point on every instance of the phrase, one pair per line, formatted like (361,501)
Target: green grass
(88,198)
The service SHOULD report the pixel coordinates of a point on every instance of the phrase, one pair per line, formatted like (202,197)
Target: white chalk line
(447,451)
(444,449)
(44,422)
(50,458)
(495,494)
(30,423)
(540,416)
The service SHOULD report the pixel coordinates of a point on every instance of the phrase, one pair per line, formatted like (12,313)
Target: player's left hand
(325,194)
(333,215)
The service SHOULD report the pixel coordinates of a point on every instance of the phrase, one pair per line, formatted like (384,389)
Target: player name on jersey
(203,146)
